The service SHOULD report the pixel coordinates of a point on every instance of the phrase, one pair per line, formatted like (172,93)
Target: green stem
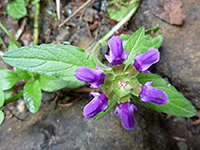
(109,34)
(8,34)
(36,24)
(12,99)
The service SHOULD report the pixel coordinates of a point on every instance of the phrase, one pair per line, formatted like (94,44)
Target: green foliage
(1,117)
(177,105)
(8,93)
(24,74)
(51,83)
(12,46)
(32,95)
(118,15)
(52,60)
(134,44)
(8,79)
(1,97)
(154,30)
(150,42)
(17,9)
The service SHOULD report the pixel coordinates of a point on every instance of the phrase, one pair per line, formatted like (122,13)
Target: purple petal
(117,54)
(143,61)
(98,104)
(153,95)
(94,77)
(126,113)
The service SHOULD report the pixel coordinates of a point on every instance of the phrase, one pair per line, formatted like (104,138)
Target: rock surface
(180,56)
(65,128)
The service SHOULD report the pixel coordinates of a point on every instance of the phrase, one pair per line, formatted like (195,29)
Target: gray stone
(182,146)
(63,35)
(64,128)
(89,15)
(180,54)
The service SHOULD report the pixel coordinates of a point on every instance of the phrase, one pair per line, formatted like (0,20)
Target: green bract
(120,82)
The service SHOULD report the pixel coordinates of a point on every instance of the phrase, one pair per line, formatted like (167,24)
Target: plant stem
(8,34)
(36,25)
(109,34)
(12,99)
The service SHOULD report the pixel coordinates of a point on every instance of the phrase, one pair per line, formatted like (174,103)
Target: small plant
(51,67)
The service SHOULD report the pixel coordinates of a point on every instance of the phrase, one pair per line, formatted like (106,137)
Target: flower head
(143,61)
(153,95)
(126,113)
(117,53)
(98,104)
(94,77)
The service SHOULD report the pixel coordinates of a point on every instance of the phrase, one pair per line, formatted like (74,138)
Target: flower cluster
(124,84)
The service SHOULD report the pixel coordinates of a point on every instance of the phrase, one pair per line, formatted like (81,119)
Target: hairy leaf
(118,15)
(51,59)
(17,9)
(177,104)
(1,97)
(1,117)
(134,44)
(8,79)
(24,74)
(32,96)
(51,83)
(150,42)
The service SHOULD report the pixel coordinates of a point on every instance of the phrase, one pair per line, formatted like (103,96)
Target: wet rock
(65,128)
(171,11)
(180,55)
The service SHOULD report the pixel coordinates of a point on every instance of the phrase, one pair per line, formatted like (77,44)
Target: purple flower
(153,95)
(98,104)
(94,77)
(117,53)
(143,61)
(126,113)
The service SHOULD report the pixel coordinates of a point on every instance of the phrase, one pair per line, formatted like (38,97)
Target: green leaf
(154,30)
(8,79)
(124,38)
(1,117)
(51,83)
(134,45)
(8,93)
(51,59)
(118,15)
(32,95)
(177,104)
(1,97)
(12,46)
(24,74)
(17,9)
(150,42)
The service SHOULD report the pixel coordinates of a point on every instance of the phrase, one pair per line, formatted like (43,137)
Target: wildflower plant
(50,67)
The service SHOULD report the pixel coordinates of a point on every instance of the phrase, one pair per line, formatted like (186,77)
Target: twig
(36,25)
(77,11)
(58,8)
(8,34)
(21,29)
